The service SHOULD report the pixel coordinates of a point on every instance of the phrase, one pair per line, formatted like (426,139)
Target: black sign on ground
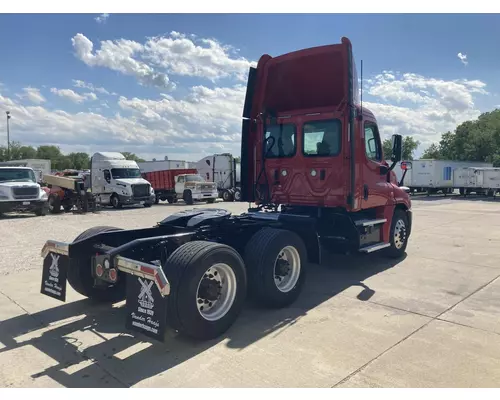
(146,308)
(54,273)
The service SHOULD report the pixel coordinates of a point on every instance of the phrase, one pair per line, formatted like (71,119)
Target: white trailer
(162,165)
(477,180)
(39,166)
(433,176)
(223,170)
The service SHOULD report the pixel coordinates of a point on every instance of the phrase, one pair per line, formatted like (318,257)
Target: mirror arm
(392,166)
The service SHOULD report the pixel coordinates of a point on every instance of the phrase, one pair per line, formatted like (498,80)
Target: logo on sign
(146,299)
(54,267)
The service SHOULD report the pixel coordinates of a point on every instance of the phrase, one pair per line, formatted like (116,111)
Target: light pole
(8,135)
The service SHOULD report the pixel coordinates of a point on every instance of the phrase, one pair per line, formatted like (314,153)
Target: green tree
(132,156)
(432,152)
(409,147)
(79,160)
(17,152)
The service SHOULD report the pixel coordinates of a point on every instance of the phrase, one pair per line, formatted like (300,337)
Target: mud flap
(54,276)
(146,308)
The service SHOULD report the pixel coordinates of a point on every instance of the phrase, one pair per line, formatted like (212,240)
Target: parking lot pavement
(429,320)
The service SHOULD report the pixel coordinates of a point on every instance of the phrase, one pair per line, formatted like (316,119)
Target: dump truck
(163,183)
(313,171)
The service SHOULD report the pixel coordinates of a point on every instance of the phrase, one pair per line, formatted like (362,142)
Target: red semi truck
(311,161)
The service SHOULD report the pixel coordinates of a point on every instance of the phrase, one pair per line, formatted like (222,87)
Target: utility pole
(8,135)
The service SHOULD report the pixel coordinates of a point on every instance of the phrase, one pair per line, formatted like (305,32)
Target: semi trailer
(313,171)
(225,172)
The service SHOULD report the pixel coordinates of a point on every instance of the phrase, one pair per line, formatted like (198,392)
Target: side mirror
(397,148)
(405,165)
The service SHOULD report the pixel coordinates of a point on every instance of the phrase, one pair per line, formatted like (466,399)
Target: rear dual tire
(208,288)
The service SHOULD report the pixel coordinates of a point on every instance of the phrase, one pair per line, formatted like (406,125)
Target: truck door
(324,177)
(375,190)
(179,184)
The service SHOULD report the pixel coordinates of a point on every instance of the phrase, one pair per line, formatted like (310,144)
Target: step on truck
(313,166)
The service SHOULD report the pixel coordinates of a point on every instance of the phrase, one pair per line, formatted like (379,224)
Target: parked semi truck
(20,191)
(311,165)
(163,165)
(117,181)
(225,172)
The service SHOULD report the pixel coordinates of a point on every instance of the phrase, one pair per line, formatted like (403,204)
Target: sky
(173,85)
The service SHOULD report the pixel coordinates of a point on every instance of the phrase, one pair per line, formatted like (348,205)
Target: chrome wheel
(287,269)
(216,292)
(399,234)
(237,195)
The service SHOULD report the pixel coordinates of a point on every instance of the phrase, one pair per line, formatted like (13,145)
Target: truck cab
(193,187)
(19,191)
(309,146)
(117,181)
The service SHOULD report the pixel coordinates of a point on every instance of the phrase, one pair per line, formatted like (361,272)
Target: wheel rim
(115,202)
(216,292)
(226,196)
(399,234)
(237,196)
(287,269)
(51,204)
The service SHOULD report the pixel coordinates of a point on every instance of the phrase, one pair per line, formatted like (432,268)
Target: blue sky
(125,98)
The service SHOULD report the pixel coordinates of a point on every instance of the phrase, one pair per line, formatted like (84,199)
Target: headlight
(44,195)
(152,190)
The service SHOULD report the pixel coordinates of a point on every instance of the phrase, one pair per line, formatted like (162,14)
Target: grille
(206,188)
(141,190)
(25,192)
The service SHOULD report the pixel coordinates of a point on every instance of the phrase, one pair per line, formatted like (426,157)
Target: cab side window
(107,175)
(181,179)
(373,147)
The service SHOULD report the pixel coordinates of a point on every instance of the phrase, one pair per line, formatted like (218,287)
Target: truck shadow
(83,331)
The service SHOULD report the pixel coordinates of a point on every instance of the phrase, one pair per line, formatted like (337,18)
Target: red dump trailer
(163,183)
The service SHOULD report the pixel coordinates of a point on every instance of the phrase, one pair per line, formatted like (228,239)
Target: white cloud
(73,96)
(119,56)
(206,58)
(423,107)
(33,95)
(463,58)
(81,84)
(175,54)
(101,19)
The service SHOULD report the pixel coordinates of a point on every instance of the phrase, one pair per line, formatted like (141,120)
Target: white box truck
(39,166)
(19,191)
(225,172)
(434,176)
(117,181)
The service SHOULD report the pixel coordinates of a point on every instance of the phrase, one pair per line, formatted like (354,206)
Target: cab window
(322,138)
(280,141)
(107,175)
(372,142)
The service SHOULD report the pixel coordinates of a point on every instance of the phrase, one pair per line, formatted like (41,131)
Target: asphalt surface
(428,320)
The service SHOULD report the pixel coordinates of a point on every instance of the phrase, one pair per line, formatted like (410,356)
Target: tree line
(59,161)
(477,140)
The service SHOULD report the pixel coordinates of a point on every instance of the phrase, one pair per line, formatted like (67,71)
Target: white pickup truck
(192,187)
(19,191)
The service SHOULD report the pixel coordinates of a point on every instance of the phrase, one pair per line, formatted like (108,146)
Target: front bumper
(124,199)
(132,267)
(22,205)
(205,195)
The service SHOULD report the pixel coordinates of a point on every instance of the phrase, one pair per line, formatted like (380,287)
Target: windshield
(17,175)
(280,140)
(194,178)
(120,173)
